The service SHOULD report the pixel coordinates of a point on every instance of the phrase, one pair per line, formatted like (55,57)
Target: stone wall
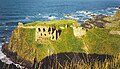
(79,31)
(115,32)
(46,32)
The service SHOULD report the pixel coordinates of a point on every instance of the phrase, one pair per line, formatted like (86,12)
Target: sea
(14,11)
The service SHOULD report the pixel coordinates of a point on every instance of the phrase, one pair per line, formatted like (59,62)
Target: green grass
(98,40)
(66,43)
(24,43)
(101,42)
(53,22)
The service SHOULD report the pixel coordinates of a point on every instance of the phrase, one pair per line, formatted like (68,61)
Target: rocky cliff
(27,51)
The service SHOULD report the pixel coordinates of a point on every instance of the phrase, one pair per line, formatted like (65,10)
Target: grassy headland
(97,39)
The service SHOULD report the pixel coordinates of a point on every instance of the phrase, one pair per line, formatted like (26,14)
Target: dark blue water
(14,11)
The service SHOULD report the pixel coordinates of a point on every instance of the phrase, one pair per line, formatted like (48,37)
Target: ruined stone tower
(43,33)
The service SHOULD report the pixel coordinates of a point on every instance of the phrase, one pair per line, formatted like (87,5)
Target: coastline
(19,60)
(61,58)
(4,58)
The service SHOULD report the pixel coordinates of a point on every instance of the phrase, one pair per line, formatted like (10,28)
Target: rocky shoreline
(14,57)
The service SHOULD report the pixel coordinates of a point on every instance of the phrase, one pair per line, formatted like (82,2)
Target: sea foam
(6,60)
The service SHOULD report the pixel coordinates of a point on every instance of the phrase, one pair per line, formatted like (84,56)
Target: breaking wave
(3,57)
(6,60)
(85,14)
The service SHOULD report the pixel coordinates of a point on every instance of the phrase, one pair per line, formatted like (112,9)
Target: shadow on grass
(77,61)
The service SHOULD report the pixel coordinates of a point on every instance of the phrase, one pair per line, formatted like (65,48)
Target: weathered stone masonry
(45,33)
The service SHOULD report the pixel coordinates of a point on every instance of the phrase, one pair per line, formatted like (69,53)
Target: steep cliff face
(23,43)
(95,40)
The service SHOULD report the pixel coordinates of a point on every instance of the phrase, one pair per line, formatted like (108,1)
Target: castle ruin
(44,33)
(47,32)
